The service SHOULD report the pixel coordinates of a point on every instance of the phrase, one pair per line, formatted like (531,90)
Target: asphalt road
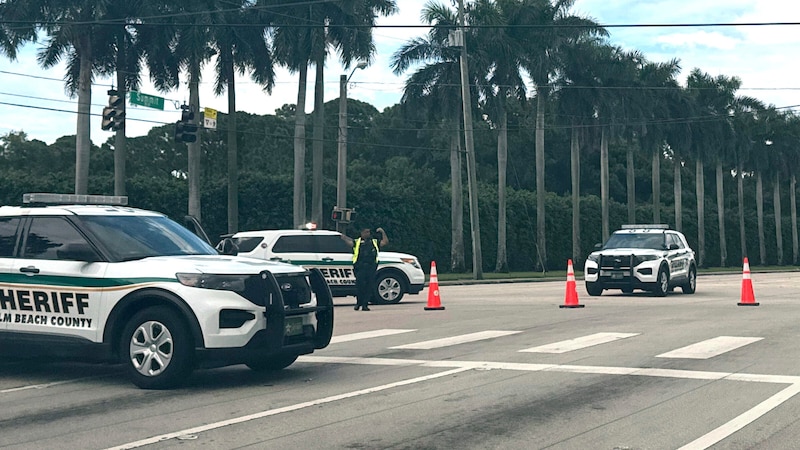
(502,366)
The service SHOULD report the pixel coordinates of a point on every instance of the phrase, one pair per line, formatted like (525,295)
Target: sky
(765,58)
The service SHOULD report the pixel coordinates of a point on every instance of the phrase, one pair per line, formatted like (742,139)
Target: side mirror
(228,247)
(598,246)
(673,246)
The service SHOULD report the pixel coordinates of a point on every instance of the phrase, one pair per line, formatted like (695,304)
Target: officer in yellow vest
(365,264)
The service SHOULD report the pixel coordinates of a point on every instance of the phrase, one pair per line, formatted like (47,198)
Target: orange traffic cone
(434,302)
(748,299)
(571,300)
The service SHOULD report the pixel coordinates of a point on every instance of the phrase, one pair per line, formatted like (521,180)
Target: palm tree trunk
(762,247)
(575,172)
(604,182)
(701,221)
(656,186)
(233,154)
(540,193)
(299,197)
(740,201)
(678,193)
(723,247)
(776,195)
(83,141)
(793,207)
(631,184)
(317,146)
(502,161)
(194,147)
(120,141)
(457,257)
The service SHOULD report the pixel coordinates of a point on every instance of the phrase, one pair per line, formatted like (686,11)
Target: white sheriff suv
(648,257)
(398,273)
(86,277)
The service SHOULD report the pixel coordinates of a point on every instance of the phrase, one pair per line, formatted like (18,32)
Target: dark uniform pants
(365,283)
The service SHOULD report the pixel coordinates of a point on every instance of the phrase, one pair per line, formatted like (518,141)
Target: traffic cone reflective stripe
(434,302)
(747,298)
(571,298)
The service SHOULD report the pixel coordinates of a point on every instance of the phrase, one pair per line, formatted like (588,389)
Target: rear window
(247,244)
(294,244)
(333,244)
(8,236)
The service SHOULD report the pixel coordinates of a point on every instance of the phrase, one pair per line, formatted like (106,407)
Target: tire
(662,282)
(271,363)
(594,289)
(691,282)
(627,290)
(389,288)
(157,348)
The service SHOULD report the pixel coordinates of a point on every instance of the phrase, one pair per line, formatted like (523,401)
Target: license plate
(616,275)
(293,326)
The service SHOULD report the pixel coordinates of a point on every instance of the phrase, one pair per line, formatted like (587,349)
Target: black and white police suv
(648,257)
(90,278)
(398,273)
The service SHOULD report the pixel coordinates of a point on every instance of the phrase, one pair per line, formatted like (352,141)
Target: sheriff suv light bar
(660,226)
(74,199)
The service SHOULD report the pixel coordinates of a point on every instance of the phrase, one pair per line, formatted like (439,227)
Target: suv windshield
(135,237)
(653,241)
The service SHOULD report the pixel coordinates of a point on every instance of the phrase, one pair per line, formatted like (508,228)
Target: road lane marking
(748,417)
(710,348)
(579,343)
(45,385)
(455,340)
(276,411)
(367,335)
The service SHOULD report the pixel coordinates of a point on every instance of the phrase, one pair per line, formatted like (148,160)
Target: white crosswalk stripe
(579,343)
(710,347)
(367,335)
(455,340)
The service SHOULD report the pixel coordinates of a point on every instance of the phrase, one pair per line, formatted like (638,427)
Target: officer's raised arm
(385,239)
(347,239)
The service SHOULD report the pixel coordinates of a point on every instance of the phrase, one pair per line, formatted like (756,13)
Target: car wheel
(389,289)
(271,363)
(691,282)
(157,348)
(662,282)
(594,289)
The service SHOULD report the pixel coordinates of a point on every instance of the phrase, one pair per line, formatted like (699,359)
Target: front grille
(620,262)
(295,289)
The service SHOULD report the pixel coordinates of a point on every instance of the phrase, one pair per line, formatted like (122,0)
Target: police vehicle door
(8,240)
(57,281)
(295,249)
(337,258)
(678,258)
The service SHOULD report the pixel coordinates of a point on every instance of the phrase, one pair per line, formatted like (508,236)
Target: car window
(294,244)
(333,244)
(247,244)
(134,237)
(8,235)
(48,235)
(636,240)
(673,239)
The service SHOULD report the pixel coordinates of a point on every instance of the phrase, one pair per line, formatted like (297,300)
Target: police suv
(649,257)
(398,273)
(87,277)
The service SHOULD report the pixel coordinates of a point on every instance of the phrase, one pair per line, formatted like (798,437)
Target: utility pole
(466,102)
(341,166)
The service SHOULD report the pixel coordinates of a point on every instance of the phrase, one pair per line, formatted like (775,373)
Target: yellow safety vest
(357,245)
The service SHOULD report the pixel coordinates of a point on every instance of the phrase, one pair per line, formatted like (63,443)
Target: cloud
(712,40)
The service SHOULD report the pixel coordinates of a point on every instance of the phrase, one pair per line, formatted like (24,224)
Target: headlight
(212,281)
(593,257)
(642,258)
(412,261)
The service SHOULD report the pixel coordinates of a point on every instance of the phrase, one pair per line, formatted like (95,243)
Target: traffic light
(344,215)
(337,215)
(186,128)
(114,113)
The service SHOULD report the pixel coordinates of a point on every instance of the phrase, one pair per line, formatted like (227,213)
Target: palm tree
(556,29)
(499,50)
(71,29)
(435,88)
(240,49)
